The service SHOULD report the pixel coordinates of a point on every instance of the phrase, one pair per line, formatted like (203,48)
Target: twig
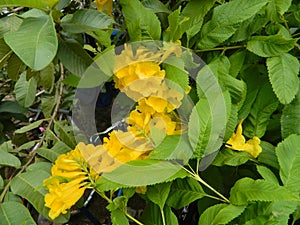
(220,48)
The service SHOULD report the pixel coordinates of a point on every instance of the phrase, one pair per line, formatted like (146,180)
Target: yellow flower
(238,142)
(105,6)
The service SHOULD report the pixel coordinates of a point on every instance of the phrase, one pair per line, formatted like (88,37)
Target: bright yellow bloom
(238,142)
(105,6)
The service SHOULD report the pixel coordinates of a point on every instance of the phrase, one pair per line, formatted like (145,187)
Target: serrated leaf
(86,20)
(261,110)
(290,117)
(73,56)
(118,217)
(231,158)
(176,27)
(281,211)
(30,126)
(247,190)
(29,186)
(236,62)
(220,214)
(267,174)
(141,18)
(8,159)
(147,171)
(40,4)
(184,191)
(25,90)
(14,65)
(288,153)
(283,74)
(15,213)
(225,21)
(268,46)
(282,5)
(35,42)
(158,193)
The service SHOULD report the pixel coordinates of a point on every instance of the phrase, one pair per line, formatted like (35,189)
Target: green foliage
(15,213)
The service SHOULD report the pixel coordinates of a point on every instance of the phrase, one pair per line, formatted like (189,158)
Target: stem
(133,219)
(39,144)
(220,48)
(162,216)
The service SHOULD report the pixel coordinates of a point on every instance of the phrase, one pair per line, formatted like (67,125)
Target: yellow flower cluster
(238,142)
(70,176)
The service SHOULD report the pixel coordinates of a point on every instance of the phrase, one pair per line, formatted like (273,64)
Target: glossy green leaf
(220,214)
(290,117)
(41,4)
(225,20)
(29,186)
(283,75)
(73,56)
(138,17)
(268,46)
(86,20)
(8,159)
(184,191)
(247,190)
(13,213)
(158,193)
(288,153)
(25,90)
(35,42)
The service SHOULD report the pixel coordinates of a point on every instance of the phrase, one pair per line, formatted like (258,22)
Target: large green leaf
(41,4)
(25,90)
(145,172)
(268,46)
(8,159)
(247,190)
(9,23)
(220,214)
(226,19)
(290,117)
(35,42)
(11,107)
(138,17)
(29,186)
(13,213)
(86,20)
(184,192)
(261,110)
(283,74)
(288,153)
(73,56)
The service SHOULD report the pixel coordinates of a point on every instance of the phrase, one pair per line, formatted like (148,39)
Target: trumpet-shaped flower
(239,143)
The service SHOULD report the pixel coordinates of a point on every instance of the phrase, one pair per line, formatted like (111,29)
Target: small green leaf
(65,133)
(158,193)
(156,6)
(52,154)
(288,153)
(40,4)
(8,159)
(236,62)
(247,190)
(13,213)
(183,192)
(231,158)
(290,116)
(11,107)
(118,217)
(86,20)
(14,66)
(25,90)
(268,46)
(38,35)
(267,174)
(47,77)
(220,214)
(268,156)
(30,126)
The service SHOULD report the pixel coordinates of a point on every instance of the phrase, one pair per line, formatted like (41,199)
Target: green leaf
(118,217)
(1,182)
(178,77)
(282,6)
(290,117)
(261,110)
(14,66)
(231,158)
(8,159)
(156,6)
(13,213)
(183,192)
(52,154)
(248,190)
(177,26)
(268,46)
(25,90)
(158,193)
(48,104)
(86,20)
(152,215)
(9,23)
(288,153)
(220,214)
(236,62)
(37,166)
(38,35)
(283,74)
(141,18)
(267,174)
(147,171)
(11,107)
(6,146)
(29,186)
(268,156)
(30,126)
(40,4)
(47,77)
(71,80)
(73,56)
(225,21)
(65,133)
(281,211)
